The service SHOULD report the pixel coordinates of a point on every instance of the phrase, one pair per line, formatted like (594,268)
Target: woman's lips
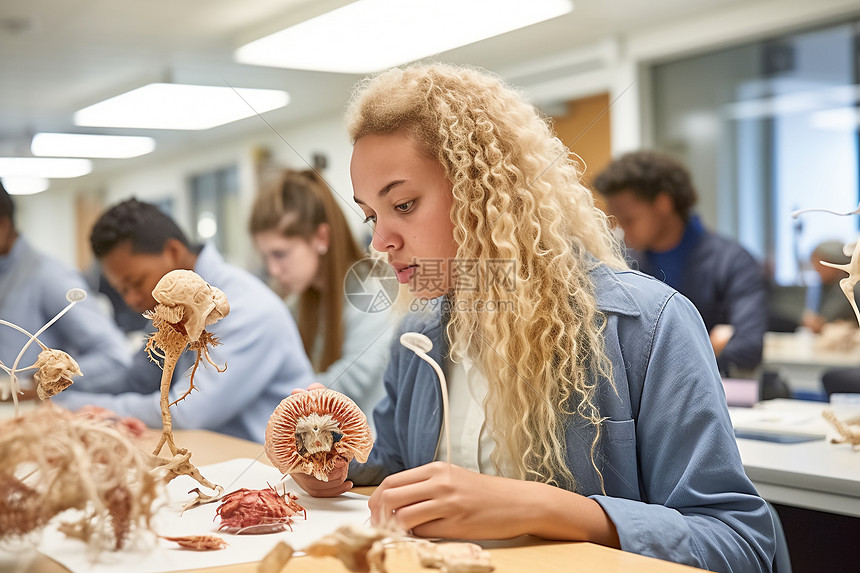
(404,274)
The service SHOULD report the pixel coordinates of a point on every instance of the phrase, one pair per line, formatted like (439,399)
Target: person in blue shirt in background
(652,196)
(585,401)
(137,244)
(33,289)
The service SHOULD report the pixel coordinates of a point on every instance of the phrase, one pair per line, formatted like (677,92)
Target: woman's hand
(443,500)
(314,386)
(336,484)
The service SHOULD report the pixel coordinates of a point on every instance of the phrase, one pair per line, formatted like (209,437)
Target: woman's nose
(385,238)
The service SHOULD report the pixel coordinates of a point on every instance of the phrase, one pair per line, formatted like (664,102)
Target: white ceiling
(57,56)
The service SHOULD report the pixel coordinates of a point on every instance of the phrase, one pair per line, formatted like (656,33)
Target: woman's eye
(404,207)
(280,255)
(370,219)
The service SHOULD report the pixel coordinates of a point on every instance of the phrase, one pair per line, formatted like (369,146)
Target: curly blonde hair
(517,197)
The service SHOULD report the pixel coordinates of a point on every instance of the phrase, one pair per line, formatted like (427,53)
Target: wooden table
(526,554)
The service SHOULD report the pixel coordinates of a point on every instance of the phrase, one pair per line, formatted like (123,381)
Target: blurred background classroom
(759,99)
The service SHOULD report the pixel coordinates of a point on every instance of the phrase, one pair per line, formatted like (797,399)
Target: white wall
(46,220)
(329,138)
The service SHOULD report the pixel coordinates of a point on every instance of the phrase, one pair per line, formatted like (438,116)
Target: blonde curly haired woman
(585,398)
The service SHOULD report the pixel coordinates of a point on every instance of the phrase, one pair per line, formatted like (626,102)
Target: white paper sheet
(324,516)
(782,417)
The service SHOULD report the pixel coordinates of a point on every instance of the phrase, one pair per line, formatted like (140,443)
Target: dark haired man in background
(137,244)
(652,196)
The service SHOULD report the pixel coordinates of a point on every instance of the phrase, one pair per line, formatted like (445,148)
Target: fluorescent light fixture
(83,145)
(837,119)
(795,103)
(51,168)
(786,104)
(180,106)
(24,185)
(371,35)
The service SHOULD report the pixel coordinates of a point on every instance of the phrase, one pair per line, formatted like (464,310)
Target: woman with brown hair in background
(308,248)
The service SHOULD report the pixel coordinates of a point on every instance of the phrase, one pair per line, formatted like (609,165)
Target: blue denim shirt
(675,487)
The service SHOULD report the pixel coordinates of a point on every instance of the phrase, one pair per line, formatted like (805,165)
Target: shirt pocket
(619,431)
(620,460)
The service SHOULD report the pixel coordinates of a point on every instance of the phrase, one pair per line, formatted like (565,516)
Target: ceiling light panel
(180,106)
(50,168)
(86,145)
(24,185)
(372,35)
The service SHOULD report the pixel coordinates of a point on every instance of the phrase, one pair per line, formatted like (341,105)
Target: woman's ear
(322,237)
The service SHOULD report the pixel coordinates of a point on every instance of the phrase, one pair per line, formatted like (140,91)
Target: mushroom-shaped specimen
(55,371)
(185,298)
(309,431)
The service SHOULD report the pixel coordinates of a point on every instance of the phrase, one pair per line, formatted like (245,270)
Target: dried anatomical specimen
(310,431)
(847,284)
(421,345)
(359,548)
(454,557)
(258,511)
(838,336)
(198,542)
(852,268)
(362,549)
(54,461)
(55,368)
(186,306)
(276,559)
(849,430)
(54,372)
